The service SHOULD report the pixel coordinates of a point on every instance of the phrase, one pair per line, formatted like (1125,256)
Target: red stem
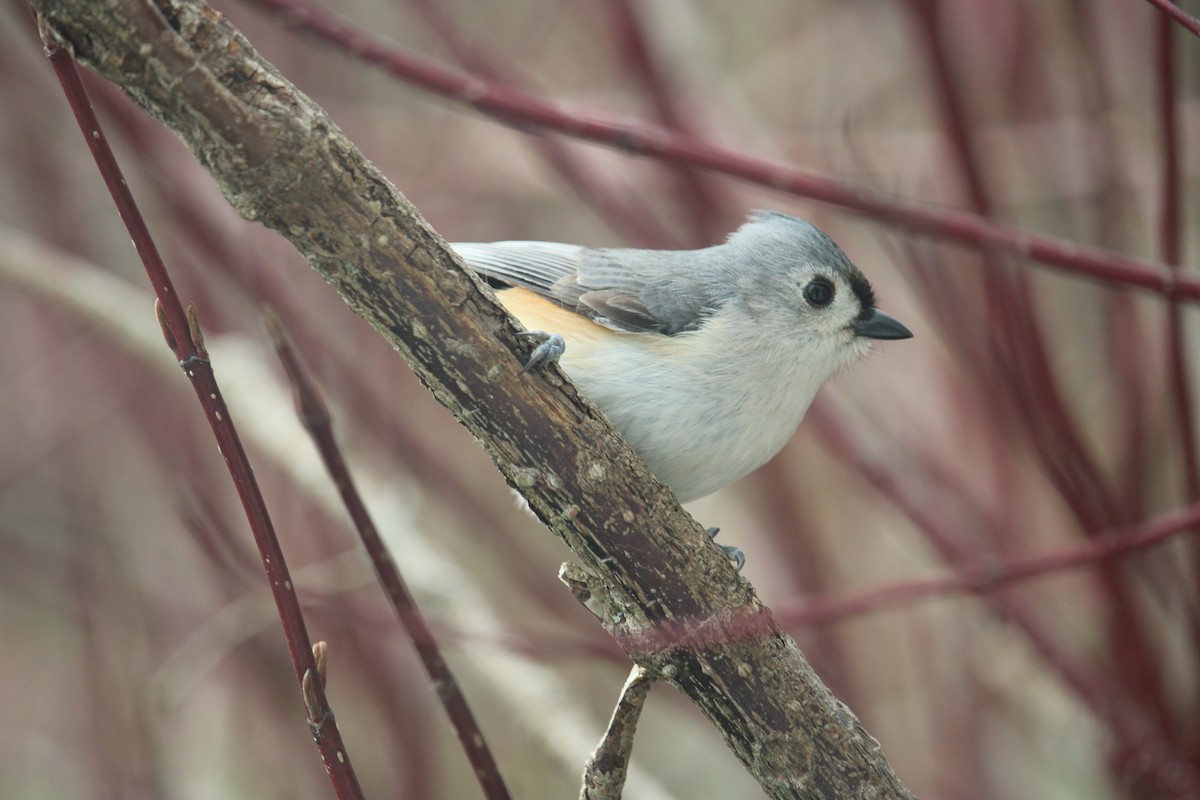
(1133,731)
(429,465)
(625,211)
(314,414)
(528,110)
(1174,12)
(701,204)
(986,578)
(1171,242)
(1021,351)
(183,335)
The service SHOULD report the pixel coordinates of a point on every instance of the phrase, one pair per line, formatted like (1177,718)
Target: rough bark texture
(650,568)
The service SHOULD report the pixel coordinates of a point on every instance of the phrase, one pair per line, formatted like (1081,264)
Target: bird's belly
(698,412)
(697,426)
(695,440)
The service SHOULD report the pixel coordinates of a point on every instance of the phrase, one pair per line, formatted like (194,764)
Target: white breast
(703,408)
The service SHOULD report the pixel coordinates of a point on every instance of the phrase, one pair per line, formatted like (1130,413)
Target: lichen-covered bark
(652,577)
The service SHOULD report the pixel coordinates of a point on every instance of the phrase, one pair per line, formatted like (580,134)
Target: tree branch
(604,774)
(281,161)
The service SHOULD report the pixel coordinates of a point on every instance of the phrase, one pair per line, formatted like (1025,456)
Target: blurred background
(1033,411)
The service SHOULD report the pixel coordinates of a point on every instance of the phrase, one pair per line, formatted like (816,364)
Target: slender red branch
(525,109)
(210,242)
(89,125)
(1133,731)
(949,96)
(695,191)
(978,578)
(1126,335)
(1171,244)
(985,578)
(1174,12)
(626,211)
(314,414)
(1131,727)
(182,331)
(1021,352)
(1170,226)
(1018,345)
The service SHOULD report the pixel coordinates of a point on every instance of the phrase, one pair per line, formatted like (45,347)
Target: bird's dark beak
(880,326)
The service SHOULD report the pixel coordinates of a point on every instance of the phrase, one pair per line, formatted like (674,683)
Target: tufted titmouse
(705,360)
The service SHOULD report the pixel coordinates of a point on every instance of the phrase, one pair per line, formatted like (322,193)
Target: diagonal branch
(181,329)
(520,108)
(281,161)
(1178,14)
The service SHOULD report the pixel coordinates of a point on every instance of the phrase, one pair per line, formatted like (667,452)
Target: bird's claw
(734,554)
(548,352)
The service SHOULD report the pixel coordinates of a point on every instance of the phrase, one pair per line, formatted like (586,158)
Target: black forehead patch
(862,290)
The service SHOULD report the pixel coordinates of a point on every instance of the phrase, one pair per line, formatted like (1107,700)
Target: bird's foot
(548,352)
(734,554)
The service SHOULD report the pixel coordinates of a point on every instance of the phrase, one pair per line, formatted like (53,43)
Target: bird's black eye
(819,292)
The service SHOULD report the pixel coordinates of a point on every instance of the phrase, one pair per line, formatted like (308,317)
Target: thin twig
(1177,14)
(182,330)
(1170,227)
(1171,245)
(1132,729)
(695,191)
(1019,347)
(525,109)
(208,235)
(626,211)
(604,773)
(986,578)
(314,415)
(1020,350)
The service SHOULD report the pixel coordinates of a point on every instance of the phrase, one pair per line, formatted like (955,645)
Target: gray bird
(705,360)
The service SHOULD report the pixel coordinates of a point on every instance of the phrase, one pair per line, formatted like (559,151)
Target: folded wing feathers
(615,293)
(616,308)
(533,265)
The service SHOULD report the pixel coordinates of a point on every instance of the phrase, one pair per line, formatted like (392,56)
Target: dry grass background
(139,653)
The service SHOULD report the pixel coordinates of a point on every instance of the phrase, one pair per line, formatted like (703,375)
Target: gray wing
(534,265)
(627,290)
